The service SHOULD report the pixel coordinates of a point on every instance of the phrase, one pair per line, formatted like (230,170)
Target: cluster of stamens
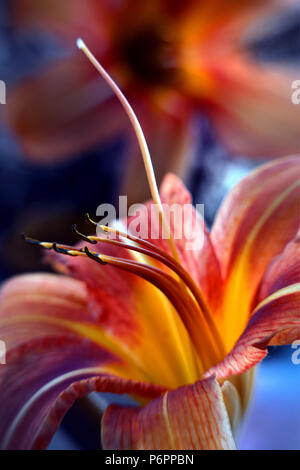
(175,282)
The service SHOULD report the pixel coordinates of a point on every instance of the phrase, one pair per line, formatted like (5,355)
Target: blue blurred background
(45,200)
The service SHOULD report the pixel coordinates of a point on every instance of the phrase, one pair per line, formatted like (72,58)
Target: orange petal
(56,352)
(275,321)
(200,261)
(38,306)
(40,383)
(44,297)
(258,218)
(283,271)
(192,417)
(104,383)
(196,254)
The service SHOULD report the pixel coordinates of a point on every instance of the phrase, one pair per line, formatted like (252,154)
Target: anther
(33,241)
(91,221)
(94,257)
(84,237)
(61,251)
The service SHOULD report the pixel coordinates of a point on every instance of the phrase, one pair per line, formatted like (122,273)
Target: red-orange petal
(38,306)
(41,381)
(256,221)
(276,321)
(104,383)
(192,417)
(52,343)
(194,246)
(283,271)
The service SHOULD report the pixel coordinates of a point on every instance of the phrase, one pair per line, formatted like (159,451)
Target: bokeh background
(44,199)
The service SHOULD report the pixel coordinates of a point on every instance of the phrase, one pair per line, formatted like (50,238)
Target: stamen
(51,246)
(61,251)
(142,143)
(184,304)
(33,241)
(93,256)
(199,333)
(84,237)
(91,221)
(150,250)
(155,252)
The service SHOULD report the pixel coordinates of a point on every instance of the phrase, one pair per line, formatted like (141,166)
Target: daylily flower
(139,330)
(173,60)
(180,330)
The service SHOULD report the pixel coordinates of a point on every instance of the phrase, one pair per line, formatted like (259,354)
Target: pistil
(142,143)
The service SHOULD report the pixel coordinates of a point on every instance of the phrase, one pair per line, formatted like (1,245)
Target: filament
(153,251)
(141,139)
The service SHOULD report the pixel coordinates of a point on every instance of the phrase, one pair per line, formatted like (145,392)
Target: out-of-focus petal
(275,321)
(256,221)
(248,103)
(251,109)
(192,417)
(195,51)
(63,111)
(69,19)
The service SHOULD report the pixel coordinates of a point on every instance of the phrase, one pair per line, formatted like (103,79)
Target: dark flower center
(147,54)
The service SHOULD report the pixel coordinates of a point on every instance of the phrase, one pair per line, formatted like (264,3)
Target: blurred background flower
(211,84)
(174,60)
